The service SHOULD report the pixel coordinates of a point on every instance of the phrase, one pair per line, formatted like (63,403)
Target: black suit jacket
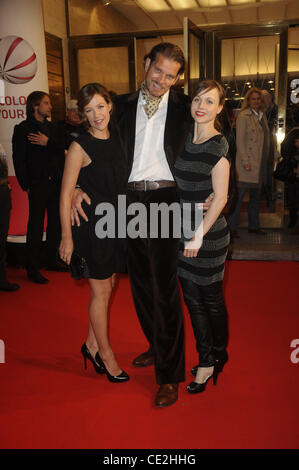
(177,125)
(35,163)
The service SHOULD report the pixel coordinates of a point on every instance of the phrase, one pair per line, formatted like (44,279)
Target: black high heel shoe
(195,387)
(122,377)
(219,364)
(87,355)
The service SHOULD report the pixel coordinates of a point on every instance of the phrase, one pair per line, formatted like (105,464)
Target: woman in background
(252,160)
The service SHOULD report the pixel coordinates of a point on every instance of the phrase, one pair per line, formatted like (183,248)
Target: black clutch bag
(76,266)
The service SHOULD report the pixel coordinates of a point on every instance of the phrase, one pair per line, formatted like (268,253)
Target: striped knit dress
(193,176)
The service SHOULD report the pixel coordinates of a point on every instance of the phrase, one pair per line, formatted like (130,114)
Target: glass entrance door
(256,57)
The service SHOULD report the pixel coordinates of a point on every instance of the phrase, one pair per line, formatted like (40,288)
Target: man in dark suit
(153,124)
(38,157)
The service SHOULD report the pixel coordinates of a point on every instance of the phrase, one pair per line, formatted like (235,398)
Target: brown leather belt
(150,185)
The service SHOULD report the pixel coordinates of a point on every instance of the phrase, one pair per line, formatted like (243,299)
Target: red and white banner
(23,69)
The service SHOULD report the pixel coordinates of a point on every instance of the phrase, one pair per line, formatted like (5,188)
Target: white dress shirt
(150,161)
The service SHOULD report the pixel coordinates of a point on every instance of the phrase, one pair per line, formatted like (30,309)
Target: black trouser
(43,197)
(209,320)
(152,267)
(5,208)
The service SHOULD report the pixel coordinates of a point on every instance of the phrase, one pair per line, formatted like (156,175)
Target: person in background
(72,126)
(252,160)
(202,168)
(5,208)
(271,110)
(38,157)
(290,150)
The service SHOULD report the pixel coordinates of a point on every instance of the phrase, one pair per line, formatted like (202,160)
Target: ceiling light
(154,5)
(105,3)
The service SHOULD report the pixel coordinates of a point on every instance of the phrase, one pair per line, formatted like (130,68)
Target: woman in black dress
(95,162)
(202,169)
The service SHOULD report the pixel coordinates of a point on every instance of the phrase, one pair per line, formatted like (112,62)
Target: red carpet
(48,401)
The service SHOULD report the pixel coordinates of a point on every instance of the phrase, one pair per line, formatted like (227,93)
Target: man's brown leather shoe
(167,395)
(144,359)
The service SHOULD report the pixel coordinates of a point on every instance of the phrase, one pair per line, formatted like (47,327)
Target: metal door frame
(213,56)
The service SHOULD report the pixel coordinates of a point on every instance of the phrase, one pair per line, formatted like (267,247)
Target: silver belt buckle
(156,184)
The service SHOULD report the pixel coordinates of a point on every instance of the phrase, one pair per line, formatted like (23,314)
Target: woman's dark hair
(207,85)
(34,99)
(86,94)
(171,51)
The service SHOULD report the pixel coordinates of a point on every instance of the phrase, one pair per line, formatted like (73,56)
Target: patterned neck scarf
(152,103)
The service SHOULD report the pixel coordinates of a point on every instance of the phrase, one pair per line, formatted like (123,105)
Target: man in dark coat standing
(153,124)
(38,158)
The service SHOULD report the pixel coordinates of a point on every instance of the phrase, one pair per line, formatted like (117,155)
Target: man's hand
(78,197)
(38,139)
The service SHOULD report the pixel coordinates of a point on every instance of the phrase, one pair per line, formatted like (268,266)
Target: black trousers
(152,268)
(43,197)
(5,208)
(209,320)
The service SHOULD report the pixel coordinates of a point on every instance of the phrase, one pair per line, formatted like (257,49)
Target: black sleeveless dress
(104,180)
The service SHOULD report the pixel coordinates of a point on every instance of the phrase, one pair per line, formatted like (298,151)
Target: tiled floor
(276,245)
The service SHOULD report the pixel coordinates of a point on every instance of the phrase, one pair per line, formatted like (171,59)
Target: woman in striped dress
(202,169)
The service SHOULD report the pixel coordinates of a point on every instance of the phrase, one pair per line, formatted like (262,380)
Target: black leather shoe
(87,355)
(37,277)
(195,387)
(9,286)
(219,364)
(167,395)
(143,360)
(122,377)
